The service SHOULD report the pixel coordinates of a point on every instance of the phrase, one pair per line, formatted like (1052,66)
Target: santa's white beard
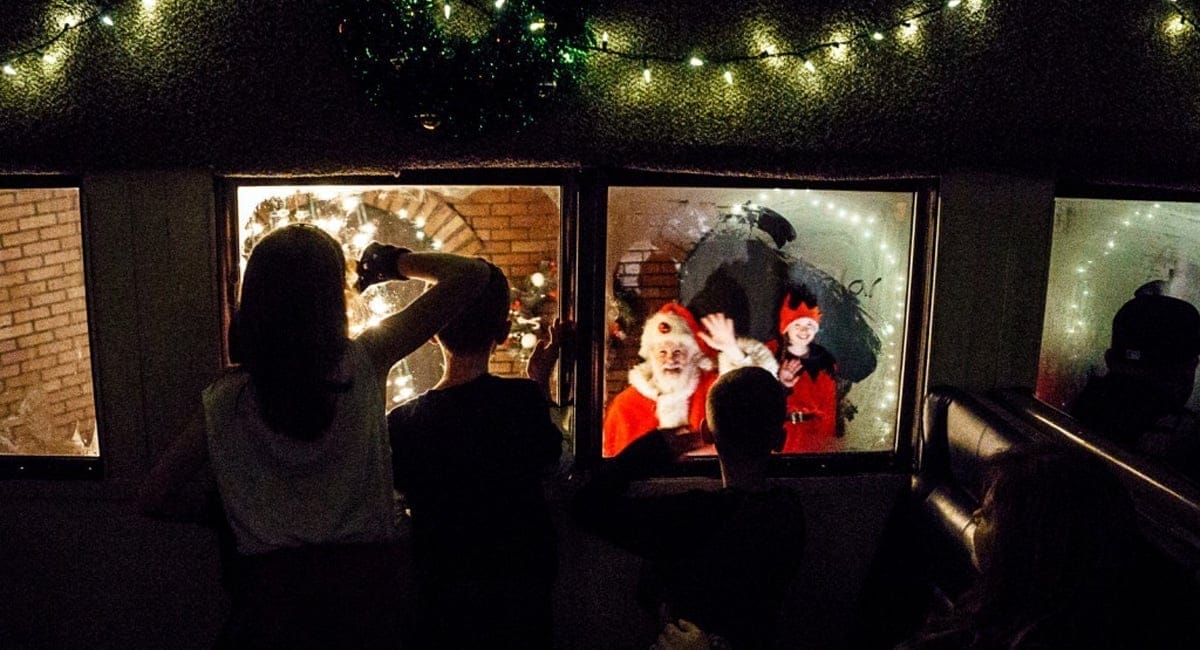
(668,383)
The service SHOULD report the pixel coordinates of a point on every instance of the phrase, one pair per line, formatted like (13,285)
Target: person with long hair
(1061,561)
(296,438)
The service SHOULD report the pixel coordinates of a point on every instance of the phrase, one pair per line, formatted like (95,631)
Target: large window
(46,400)
(515,228)
(1102,252)
(833,262)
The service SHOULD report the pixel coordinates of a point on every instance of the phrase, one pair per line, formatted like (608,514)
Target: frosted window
(730,250)
(1103,250)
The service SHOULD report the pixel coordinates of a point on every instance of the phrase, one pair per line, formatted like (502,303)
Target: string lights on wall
(484,64)
(1184,16)
(52,49)
(806,54)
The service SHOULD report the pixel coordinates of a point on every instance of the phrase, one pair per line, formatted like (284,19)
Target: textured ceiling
(1094,91)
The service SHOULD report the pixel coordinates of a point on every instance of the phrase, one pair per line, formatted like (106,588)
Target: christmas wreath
(464,66)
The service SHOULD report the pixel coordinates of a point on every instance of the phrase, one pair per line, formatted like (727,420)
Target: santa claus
(682,360)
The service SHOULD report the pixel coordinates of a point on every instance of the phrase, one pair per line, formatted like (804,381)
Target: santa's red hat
(675,323)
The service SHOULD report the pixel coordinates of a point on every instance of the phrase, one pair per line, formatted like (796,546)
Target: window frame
(593,229)
(68,468)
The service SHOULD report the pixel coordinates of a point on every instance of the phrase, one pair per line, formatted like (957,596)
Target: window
(47,408)
(514,227)
(843,258)
(1103,250)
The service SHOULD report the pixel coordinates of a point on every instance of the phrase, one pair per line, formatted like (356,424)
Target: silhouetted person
(1062,564)
(296,439)
(1140,402)
(470,455)
(722,559)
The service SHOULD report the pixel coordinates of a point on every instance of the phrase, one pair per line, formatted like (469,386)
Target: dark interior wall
(1096,91)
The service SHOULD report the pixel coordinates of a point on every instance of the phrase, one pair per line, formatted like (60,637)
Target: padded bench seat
(959,431)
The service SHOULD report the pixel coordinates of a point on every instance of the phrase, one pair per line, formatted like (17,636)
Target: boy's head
(1157,339)
(483,324)
(745,413)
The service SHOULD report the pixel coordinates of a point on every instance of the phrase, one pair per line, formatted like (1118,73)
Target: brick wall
(518,229)
(654,275)
(46,401)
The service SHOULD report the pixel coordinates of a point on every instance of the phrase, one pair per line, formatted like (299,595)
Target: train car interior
(964,202)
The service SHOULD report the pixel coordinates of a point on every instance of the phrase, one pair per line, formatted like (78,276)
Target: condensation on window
(733,251)
(47,406)
(1102,252)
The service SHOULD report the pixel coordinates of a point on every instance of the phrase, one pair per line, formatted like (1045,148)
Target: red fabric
(812,397)
(817,397)
(631,415)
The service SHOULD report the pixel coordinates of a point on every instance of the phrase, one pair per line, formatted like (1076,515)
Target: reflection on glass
(1102,252)
(46,401)
(811,285)
(515,228)
(1121,334)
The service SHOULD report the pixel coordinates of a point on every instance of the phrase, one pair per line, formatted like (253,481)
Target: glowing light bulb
(49,58)
(107,20)
(446,10)
(499,4)
(420,222)
(953,3)
(537,280)
(403,213)
(877,36)
(646,75)
(9,70)
(808,65)
(350,203)
(537,25)
(604,41)
(696,62)
(437,244)
(728,77)
(528,340)
(149,4)
(909,27)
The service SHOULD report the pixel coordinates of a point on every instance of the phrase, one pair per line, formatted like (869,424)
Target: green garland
(488,65)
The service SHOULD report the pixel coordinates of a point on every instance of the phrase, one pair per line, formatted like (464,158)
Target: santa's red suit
(640,408)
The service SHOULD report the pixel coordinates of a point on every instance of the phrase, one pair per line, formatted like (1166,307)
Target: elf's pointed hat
(675,323)
(796,308)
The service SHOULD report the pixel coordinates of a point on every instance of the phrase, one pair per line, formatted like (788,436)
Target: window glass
(47,407)
(515,228)
(1102,252)
(830,262)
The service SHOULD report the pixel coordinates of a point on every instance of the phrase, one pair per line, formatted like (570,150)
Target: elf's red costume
(812,400)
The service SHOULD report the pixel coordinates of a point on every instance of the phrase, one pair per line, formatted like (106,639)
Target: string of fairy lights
(806,54)
(1184,16)
(51,49)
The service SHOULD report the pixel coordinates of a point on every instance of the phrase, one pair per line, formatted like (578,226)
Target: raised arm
(160,494)
(456,282)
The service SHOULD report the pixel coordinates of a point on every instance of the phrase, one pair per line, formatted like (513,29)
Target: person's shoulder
(230,379)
